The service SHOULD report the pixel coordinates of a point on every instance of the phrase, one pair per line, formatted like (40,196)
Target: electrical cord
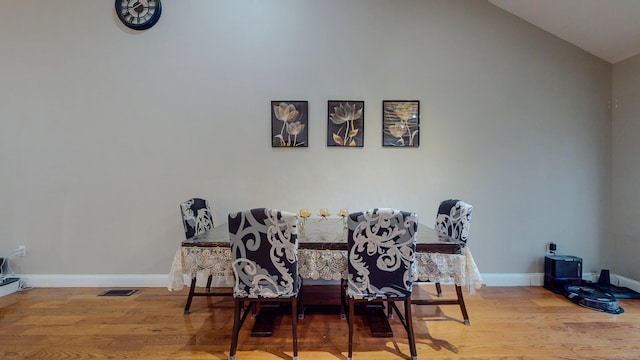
(23,285)
(7,261)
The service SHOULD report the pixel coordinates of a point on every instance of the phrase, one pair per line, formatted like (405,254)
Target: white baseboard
(537,279)
(622,281)
(96,280)
(162,280)
(524,279)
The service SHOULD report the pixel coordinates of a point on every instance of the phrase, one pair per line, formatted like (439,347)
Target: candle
(304,213)
(343,213)
(324,212)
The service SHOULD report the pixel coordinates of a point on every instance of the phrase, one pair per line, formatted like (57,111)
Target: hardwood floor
(506,323)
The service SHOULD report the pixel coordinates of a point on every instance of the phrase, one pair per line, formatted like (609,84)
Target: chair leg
(389,310)
(463,308)
(300,302)
(350,320)
(409,320)
(439,289)
(236,329)
(209,279)
(190,297)
(294,325)
(343,302)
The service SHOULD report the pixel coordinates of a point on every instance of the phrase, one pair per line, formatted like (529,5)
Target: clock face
(138,14)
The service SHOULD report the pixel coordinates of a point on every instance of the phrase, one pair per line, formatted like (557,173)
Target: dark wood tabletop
(330,234)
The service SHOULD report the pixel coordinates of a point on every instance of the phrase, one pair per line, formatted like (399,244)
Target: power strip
(9,286)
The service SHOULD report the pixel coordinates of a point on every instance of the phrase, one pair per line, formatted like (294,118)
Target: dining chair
(197,219)
(381,253)
(453,220)
(264,255)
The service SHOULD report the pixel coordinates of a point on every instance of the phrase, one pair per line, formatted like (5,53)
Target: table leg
(378,320)
(374,312)
(192,289)
(265,320)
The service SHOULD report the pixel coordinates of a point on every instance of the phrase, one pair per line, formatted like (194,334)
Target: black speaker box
(562,270)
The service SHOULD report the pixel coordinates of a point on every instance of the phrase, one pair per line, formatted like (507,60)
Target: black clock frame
(121,11)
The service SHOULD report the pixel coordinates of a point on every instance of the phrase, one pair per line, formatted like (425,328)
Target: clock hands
(137,5)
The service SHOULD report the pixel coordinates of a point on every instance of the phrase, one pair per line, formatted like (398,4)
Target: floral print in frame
(345,126)
(401,123)
(289,124)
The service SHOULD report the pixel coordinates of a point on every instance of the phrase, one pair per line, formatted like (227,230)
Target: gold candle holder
(344,213)
(304,214)
(324,212)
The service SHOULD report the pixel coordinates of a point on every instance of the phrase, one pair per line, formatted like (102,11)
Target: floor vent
(126,292)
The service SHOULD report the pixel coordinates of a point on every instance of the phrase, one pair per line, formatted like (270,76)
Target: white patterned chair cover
(454,219)
(196,217)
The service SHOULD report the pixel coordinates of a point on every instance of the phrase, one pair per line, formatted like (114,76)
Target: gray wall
(104,131)
(626,168)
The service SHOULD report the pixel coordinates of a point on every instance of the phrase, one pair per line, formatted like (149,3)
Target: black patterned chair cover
(454,219)
(264,255)
(381,256)
(382,244)
(264,246)
(196,217)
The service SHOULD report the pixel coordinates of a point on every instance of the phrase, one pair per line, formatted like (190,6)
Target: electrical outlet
(22,250)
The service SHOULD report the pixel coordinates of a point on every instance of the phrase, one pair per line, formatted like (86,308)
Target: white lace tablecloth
(448,269)
(199,261)
(325,264)
(322,264)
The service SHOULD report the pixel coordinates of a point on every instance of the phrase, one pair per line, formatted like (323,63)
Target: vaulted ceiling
(609,29)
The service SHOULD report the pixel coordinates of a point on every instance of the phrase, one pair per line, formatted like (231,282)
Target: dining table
(322,257)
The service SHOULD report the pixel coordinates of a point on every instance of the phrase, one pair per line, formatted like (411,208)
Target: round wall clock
(138,14)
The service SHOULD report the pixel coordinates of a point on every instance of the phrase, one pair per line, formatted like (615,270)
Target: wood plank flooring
(506,323)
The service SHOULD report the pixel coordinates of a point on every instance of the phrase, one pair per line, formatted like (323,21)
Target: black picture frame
(345,123)
(400,123)
(289,123)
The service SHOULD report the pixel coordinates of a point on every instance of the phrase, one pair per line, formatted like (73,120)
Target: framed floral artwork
(289,124)
(401,123)
(345,125)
